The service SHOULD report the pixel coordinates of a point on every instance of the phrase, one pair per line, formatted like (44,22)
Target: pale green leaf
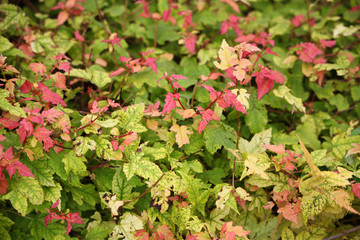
(5,44)
(5,105)
(31,189)
(105,150)
(52,194)
(18,201)
(75,164)
(312,204)
(287,234)
(100,79)
(83,144)
(284,92)
(256,145)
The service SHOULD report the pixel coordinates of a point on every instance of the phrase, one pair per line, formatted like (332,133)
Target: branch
(339,235)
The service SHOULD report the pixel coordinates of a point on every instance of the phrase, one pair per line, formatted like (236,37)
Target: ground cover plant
(180,119)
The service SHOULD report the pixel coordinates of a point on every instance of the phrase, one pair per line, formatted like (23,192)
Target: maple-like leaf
(225,56)
(265,79)
(290,212)
(280,149)
(52,114)
(21,168)
(43,135)
(38,68)
(181,134)
(354,150)
(78,36)
(342,199)
(163,233)
(355,189)
(233,4)
(60,80)
(50,96)
(170,102)
(65,66)
(228,232)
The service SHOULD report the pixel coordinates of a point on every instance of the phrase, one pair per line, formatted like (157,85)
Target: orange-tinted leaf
(62,17)
(355,189)
(38,68)
(181,134)
(60,80)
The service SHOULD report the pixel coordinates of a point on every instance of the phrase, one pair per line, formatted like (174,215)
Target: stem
(193,95)
(125,15)
(357,228)
(147,190)
(155,33)
(86,125)
(213,102)
(308,18)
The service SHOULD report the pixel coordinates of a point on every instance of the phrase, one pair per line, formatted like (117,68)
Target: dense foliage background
(180,119)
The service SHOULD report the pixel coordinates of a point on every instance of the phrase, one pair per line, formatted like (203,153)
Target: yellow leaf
(342,199)
(181,134)
(315,171)
(225,56)
(307,69)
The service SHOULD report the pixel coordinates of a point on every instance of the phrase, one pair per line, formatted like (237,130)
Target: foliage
(179,119)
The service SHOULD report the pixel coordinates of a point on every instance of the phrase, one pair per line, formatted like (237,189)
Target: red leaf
(38,68)
(355,189)
(9,123)
(50,96)
(290,212)
(264,86)
(170,102)
(190,42)
(233,4)
(60,80)
(62,17)
(280,149)
(65,66)
(52,114)
(21,168)
(26,87)
(117,72)
(43,135)
(3,182)
(78,36)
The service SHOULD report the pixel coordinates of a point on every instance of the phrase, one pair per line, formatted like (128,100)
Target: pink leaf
(43,135)
(52,114)
(62,17)
(9,123)
(170,102)
(50,96)
(65,66)
(264,86)
(78,36)
(190,42)
(290,212)
(21,168)
(3,182)
(117,72)
(324,43)
(38,68)
(280,149)
(355,189)
(60,80)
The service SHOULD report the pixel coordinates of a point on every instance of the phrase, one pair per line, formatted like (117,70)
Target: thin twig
(339,235)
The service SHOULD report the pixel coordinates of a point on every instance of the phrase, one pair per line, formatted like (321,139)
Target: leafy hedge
(179,119)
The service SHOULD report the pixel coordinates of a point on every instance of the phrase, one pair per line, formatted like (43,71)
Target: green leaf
(5,222)
(105,150)
(287,234)
(86,193)
(195,190)
(83,144)
(156,153)
(39,230)
(256,119)
(284,92)
(75,164)
(4,235)
(215,220)
(131,117)
(4,44)
(340,102)
(143,168)
(5,105)
(18,201)
(121,186)
(52,194)
(41,171)
(217,137)
(96,77)
(341,144)
(312,204)
(100,79)
(31,189)
(256,145)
